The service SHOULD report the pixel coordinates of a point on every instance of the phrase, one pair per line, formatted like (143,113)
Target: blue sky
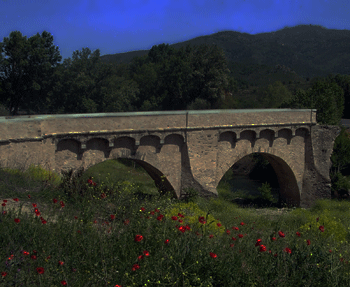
(117,26)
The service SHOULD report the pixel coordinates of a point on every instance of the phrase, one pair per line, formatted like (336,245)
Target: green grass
(92,240)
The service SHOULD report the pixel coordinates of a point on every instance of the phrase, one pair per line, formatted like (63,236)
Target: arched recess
(227,140)
(97,145)
(123,147)
(149,144)
(67,153)
(289,192)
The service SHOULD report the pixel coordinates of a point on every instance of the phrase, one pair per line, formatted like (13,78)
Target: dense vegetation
(103,228)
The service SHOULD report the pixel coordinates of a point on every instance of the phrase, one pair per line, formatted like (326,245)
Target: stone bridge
(181,149)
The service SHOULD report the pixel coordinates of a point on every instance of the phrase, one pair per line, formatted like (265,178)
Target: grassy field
(109,226)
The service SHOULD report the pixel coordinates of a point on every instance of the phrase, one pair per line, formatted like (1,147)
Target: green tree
(209,75)
(85,85)
(326,97)
(341,151)
(26,70)
(275,94)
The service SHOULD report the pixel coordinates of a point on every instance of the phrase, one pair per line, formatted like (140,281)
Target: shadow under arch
(289,189)
(158,177)
(289,192)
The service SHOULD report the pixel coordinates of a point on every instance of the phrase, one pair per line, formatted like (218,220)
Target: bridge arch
(289,191)
(72,153)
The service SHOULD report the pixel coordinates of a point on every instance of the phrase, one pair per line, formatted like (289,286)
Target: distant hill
(305,51)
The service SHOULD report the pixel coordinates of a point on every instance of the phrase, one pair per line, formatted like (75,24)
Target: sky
(118,26)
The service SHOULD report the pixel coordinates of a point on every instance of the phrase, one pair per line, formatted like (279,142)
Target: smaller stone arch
(124,147)
(269,135)
(149,144)
(286,134)
(229,137)
(249,135)
(174,140)
(98,144)
(71,145)
(302,132)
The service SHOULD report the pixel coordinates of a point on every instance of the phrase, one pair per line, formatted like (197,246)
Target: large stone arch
(289,189)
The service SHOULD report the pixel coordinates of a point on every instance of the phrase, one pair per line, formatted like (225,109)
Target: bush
(193,213)
(265,191)
(332,228)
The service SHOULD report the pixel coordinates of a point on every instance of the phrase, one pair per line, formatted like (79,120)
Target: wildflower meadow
(108,226)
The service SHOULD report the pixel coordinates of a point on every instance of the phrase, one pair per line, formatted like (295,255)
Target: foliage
(340,182)
(333,228)
(265,191)
(26,70)
(193,212)
(327,98)
(189,194)
(147,245)
(85,85)
(341,151)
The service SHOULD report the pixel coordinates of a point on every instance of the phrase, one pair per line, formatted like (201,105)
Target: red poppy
(281,234)
(180,220)
(160,217)
(60,262)
(273,238)
(126,222)
(135,267)
(40,270)
(308,242)
(3,274)
(25,252)
(17,220)
(43,221)
(157,210)
(258,241)
(321,228)
(262,248)
(288,250)
(33,257)
(54,200)
(233,238)
(103,195)
(140,257)
(235,228)
(182,229)
(298,234)
(34,204)
(16,199)
(112,216)
(64,283)
(4,200)
(166,241)
(146,253)
(228,231)
(218,224)
(143,209)
(212,255)
(240,235)
(179,214)
(3,204)
(152,212)
(138,238)
(211,236)
(242,223)
(62,203)
(187,227)
(174,218)
(201,220)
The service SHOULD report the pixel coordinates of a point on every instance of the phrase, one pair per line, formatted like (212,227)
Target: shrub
(332,228)
(192,214)
(38,173)
(265,191)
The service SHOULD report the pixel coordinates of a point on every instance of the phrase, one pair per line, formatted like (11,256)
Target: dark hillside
(307,50)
